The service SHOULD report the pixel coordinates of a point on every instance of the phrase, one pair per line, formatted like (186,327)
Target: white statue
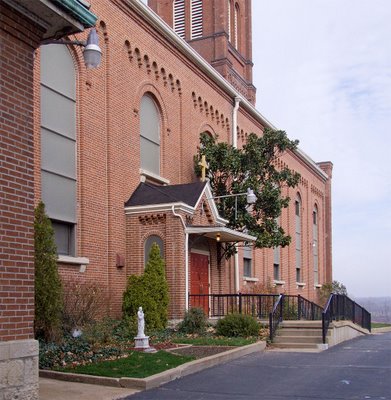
(141,323)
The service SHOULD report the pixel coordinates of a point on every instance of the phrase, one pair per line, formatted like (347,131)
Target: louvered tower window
(229,20)
(196,19)
(236,26)
(179,18)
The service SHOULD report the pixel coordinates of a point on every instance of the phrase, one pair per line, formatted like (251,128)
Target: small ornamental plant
(194,321)
(237,325)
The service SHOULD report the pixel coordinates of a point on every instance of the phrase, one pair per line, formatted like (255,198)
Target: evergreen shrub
(48,287)
(237,325)
(194,321)
(149,291)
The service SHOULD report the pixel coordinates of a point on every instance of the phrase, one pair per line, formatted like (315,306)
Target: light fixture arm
(92,52)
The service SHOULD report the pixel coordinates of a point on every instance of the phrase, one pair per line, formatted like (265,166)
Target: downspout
(186,258)
(235,145)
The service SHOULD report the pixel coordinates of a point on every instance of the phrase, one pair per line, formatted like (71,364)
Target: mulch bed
(200,351)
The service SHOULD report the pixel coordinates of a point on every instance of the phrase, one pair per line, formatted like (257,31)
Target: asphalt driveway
(357,369)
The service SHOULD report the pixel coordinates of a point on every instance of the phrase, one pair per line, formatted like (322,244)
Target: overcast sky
(322,69)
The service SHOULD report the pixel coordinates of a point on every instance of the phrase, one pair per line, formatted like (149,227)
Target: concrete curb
(381,330)
(158,379)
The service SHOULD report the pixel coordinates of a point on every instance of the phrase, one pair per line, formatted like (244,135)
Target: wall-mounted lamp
(251,198)
(218,237)
(92,52)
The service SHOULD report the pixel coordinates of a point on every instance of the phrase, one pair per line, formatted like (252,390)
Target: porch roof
(226,234)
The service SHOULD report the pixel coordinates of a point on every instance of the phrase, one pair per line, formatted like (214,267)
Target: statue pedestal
(141,342)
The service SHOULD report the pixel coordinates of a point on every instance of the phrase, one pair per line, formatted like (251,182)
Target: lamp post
(250,197)
(92,52)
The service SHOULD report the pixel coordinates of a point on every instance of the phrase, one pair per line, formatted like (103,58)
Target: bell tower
(220,31)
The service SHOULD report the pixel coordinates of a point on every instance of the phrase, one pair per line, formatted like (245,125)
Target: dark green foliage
(53,355)
(48,287)
(233,171)
(235,325)
(149,291)
(193,322)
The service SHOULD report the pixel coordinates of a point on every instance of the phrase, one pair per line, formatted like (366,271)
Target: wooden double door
(199,281)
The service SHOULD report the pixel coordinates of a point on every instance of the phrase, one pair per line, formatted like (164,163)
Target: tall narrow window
(148,246)
(58,143)
(196,19)
(315,244)
(179,18)
(276,263)
(236,26)
(298,237)
(149,135)
(247,262)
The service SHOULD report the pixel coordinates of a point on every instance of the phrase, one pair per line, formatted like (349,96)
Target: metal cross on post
(204,165)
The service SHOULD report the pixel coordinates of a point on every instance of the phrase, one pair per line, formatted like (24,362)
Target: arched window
(179,18)
(58,143)
(148,246)
(149,135)
(298,237)
(196,19)
(315,231)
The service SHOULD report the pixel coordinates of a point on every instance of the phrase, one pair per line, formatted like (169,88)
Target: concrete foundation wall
(19,370)
(344,330)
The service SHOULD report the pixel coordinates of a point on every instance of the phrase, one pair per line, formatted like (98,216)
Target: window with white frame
(149,135)
(58,144)
(298,237)
(315,231)
(247,262)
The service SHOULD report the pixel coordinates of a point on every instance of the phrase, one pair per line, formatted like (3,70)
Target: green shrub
(48,287)
(193,322)
(235,325)
(149,291)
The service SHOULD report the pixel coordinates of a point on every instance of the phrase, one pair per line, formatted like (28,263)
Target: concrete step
(302,324)
(299,332)
(298,339)
(295,345)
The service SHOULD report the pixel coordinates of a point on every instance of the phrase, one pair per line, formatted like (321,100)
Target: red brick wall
(136,60)
(18,39)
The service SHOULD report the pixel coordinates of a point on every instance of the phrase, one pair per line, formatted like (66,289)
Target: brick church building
(114,153)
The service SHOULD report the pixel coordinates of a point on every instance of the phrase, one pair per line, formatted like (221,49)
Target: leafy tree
(333,287)
(233,170)
(48,287)
(149,291)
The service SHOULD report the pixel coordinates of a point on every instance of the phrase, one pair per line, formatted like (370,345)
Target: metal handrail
(341,307)
(275,317)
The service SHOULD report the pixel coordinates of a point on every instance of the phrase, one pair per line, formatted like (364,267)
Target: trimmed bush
(149,291)
(48,287)
(237,325)
(193,322)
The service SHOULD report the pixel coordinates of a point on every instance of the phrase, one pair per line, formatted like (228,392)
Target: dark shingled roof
(148,194)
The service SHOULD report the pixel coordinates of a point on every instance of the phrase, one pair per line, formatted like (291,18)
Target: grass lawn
(379,325)
(214,341)
(136,365)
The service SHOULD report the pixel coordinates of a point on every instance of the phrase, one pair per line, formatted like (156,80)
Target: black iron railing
(340,307)
(219,305)
(276,316)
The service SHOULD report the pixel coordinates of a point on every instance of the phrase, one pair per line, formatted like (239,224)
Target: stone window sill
(300,284)
(250,279)
(318,286)
(147,175)
(82,262)
(278,283)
